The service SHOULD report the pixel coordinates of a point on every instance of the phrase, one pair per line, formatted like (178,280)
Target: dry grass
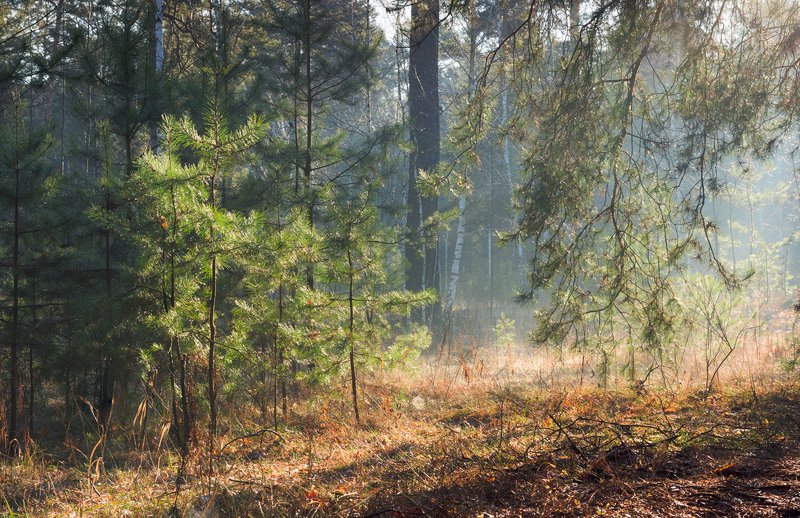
(501,432)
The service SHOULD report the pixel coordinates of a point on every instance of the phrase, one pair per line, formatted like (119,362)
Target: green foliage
(406,347)
(506,331)
(272,213)
(624,143)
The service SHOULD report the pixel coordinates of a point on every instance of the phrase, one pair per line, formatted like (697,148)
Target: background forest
(230,221)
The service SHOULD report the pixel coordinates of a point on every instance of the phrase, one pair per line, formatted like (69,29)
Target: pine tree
(217,150)
(24,187)
(357,254)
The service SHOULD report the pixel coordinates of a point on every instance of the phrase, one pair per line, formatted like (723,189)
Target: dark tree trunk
(12,439)
(188,424)
(219,90)
(350,297)
(423,107)
(309,100)
(31,382)
(212,334)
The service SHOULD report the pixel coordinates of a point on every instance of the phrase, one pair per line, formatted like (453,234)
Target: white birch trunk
(159,36)
(457,250)
(155,134)
(216,30)
(502,30)
(455,269)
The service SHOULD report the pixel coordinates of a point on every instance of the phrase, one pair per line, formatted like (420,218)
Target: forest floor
(456,446)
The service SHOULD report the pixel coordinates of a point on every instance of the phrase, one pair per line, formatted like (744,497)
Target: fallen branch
(563,432)
(249,435)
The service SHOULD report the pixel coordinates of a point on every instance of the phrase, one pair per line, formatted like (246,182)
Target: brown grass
(502,432)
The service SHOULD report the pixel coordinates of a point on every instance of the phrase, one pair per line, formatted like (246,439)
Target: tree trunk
(504,29)
(350,296)
(212,340)
(462,199)
(216,13)
(12,439)
(309,100)
(423,105)
(30,357)
(212,301)
(159,36)
(457,250)
(177,360)
(159,63)
(56,42)
(188,424)
(212,337)
(574,20)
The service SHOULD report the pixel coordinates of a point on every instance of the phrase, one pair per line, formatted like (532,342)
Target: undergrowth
(456,436)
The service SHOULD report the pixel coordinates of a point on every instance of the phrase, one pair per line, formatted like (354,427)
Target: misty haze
(399,258)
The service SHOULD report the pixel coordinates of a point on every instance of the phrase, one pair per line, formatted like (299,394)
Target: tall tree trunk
(423,106)
(159,36)
(158,32)
(51,82)
(400,115)
(457,251)
(12,439)
(220,82)
(369,70)
(309,100)
(188,424)
(504,29)
(35,322)
(106,393)
(212,333)
(280,378)
(212,340)
(177,359)
(350,296)
(218,30)
(462,199)
(574,20)
(219,45)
